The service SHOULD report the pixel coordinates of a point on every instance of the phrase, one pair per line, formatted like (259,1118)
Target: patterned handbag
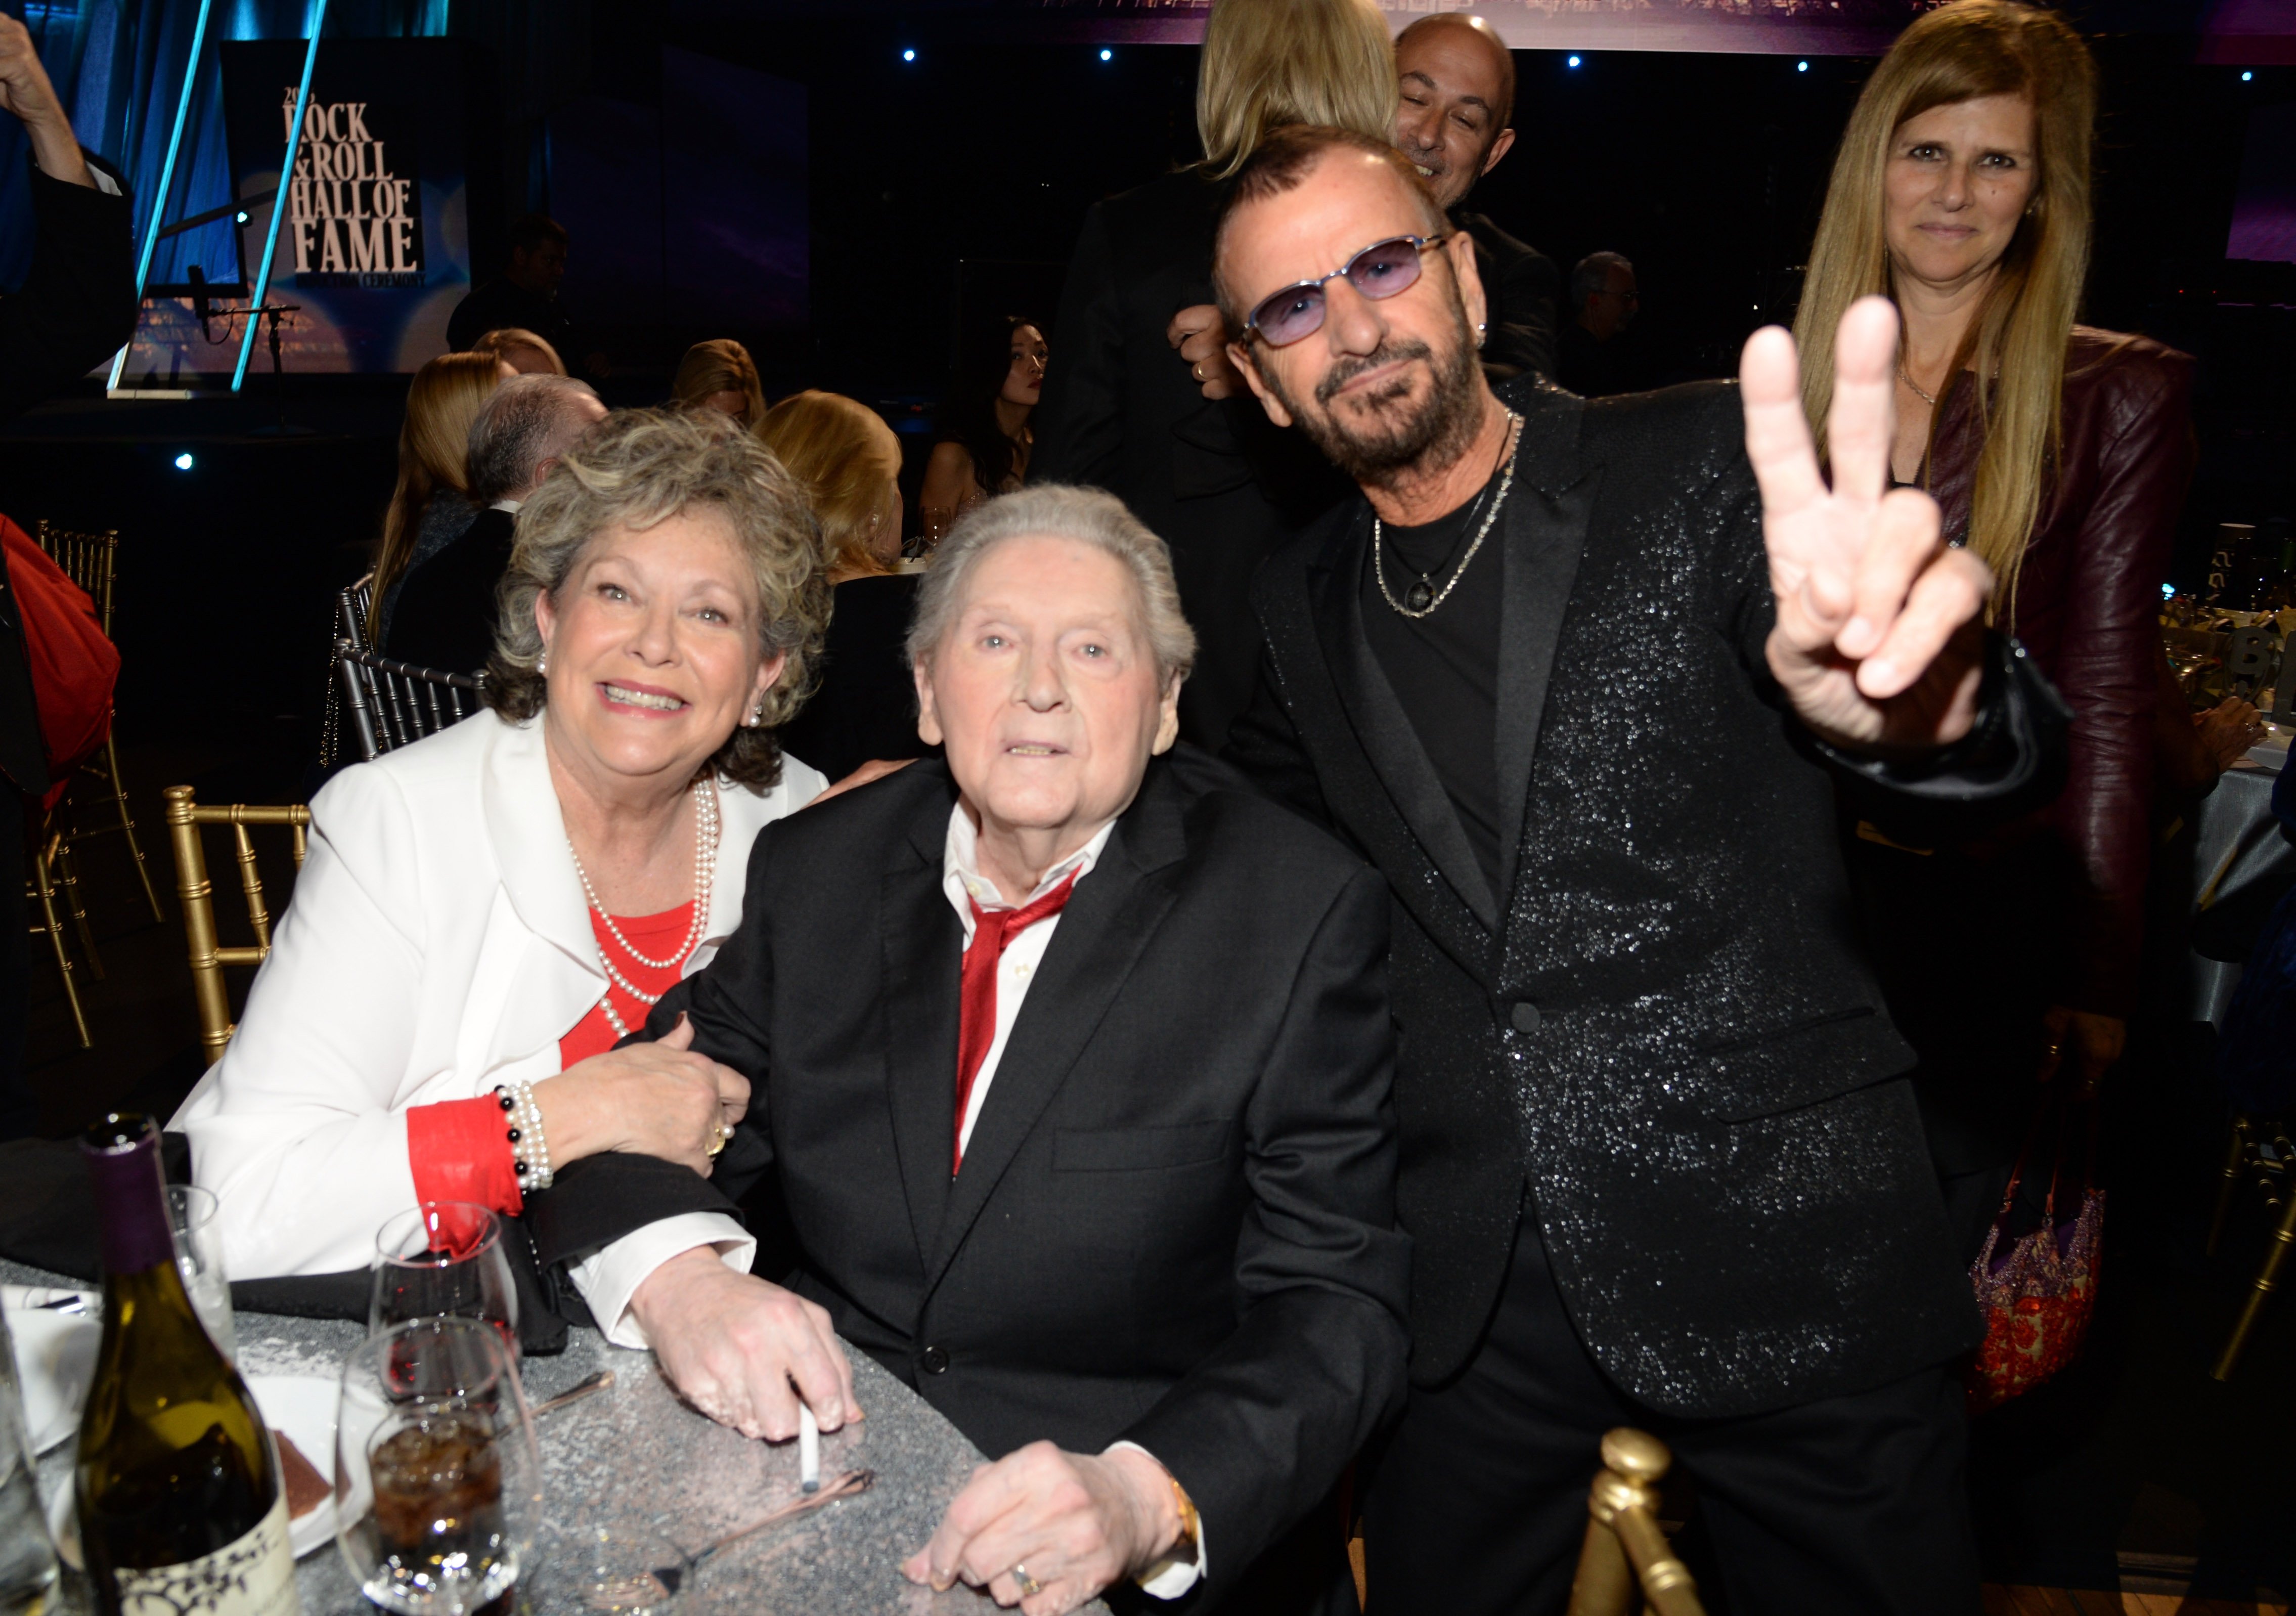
(2038,1295)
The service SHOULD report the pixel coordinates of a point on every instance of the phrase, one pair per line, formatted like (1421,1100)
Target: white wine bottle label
(254,1576)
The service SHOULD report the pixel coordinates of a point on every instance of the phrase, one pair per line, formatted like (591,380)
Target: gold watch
(1191,1523)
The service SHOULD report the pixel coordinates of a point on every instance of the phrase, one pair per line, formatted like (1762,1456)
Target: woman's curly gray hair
(639,468)
(1086,515)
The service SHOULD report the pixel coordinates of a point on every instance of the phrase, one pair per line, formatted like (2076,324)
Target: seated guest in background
(1579,678)
(525,295)
(1071,1054)
(984,435)
(430,508)
(1592,359)
(493,906)
(446,613)
(2190,749)
(1457,80)
(523,351)
(2060,455)
(1177,440)
(849,465)
(719,375)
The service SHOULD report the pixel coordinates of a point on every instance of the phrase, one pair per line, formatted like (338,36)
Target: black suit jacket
(1664,1025)
(1214,479)
(1173,1223)
(446,610)
(1521,287)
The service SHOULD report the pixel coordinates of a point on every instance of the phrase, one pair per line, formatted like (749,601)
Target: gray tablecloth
(2240,856)
(635,1456)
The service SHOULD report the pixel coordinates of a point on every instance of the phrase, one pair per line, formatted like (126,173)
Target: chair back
(208,958)
(1625,1546)
(353,602)
(395,704)
(88,559)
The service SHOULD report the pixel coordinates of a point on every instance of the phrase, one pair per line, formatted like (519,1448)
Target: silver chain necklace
(1423,597)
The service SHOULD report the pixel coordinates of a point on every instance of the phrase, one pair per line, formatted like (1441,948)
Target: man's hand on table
(1074,1522)
(733,1345)
(1879,636)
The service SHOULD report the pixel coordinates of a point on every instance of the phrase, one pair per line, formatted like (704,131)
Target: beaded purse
(2038,1295)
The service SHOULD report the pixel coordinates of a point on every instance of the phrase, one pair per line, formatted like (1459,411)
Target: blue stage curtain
(118,65)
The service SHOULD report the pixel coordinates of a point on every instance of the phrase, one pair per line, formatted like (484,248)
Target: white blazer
(439,943)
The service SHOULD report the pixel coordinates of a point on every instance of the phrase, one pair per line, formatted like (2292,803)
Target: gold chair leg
(127,828)
(56,938)
(1604,1585)
(63,865)
(2283,1237)
(2235,1161)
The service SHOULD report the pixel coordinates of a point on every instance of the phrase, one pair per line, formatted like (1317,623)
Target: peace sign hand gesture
(1879,642)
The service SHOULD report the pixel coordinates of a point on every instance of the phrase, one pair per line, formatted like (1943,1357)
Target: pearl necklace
(705,873)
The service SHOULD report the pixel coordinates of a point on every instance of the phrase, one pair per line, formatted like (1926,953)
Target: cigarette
(808,1451)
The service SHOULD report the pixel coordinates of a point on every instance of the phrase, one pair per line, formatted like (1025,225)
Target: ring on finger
(718,1135)
(1028,1585)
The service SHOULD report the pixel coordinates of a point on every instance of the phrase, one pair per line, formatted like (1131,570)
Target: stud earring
(541,665)
(1482,332)
(756,716)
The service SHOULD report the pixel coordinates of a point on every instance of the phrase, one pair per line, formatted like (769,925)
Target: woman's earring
(1482,332)
(541,665)
(756,716)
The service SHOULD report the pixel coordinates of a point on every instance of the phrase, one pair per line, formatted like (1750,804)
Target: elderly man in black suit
(1071,1052)
(1576,687)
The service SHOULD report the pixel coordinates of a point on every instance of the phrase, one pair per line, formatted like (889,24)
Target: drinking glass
(621,1569)
(437,1480)
(27,1556)
(199,1256)
(444,1258)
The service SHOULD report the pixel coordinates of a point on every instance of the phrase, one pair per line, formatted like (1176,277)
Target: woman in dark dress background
(2060,454)
(850,462)
(1214,478)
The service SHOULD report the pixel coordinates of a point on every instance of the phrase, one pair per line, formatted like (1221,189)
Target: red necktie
(993,932)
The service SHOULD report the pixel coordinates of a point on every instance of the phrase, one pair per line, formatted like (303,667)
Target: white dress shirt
(962,880)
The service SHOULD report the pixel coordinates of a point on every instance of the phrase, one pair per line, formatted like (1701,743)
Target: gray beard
(1398,446)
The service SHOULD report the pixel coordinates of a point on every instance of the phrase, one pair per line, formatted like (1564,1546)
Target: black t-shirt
(1445,667)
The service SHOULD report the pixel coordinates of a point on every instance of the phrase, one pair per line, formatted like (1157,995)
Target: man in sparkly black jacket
(1581,692)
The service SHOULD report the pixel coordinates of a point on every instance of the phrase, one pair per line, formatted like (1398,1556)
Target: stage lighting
(1801,67)
(909,55)
(1106,54)
(2247,75)
(1571,62)
(240,217)
(184,461)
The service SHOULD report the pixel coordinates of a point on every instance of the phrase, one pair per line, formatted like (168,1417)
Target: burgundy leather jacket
(2087,609)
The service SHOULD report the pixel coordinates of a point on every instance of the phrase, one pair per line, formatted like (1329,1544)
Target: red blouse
(459,1149)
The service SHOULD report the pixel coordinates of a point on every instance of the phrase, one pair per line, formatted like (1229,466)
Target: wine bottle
(182,1512)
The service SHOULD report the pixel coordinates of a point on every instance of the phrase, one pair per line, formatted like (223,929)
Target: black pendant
(1419,596)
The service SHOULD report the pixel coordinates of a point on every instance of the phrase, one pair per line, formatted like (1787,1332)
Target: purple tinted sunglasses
(1379,270)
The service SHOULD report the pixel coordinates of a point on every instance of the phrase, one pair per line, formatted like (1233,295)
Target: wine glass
(438,1479)
(444,1258)
(197,1234)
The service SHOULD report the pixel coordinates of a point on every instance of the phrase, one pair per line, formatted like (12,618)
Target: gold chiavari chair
(1624,1547)
(90,560)
(208,958)
(54,875)
(2263,1153)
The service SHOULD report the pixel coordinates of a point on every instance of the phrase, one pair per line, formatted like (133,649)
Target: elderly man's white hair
(1086,515)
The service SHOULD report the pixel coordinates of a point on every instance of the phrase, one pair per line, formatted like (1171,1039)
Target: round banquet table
(633,1456)
(2240,856)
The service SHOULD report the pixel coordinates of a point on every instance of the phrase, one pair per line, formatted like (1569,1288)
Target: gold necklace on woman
(1907,377)
(705,875)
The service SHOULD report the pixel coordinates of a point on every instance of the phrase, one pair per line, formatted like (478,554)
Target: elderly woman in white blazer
(482,912)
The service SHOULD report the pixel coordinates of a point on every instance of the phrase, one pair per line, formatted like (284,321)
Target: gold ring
(2055,1050)
(718,1138)
(1028,1585)
(1197,370)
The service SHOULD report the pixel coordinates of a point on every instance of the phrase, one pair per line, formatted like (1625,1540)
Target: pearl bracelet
(529,1153)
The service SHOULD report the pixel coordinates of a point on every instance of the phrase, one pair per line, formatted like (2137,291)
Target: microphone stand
(279,427)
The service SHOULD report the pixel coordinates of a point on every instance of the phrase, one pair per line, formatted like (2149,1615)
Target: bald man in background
(1457,84)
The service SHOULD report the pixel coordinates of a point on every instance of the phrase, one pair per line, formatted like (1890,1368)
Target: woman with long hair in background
(427,511)
(1213,477)
(2060,454)
(848,461)
(719,375)
(985,437)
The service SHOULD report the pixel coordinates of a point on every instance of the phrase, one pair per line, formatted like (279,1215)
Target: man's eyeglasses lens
(1379,270)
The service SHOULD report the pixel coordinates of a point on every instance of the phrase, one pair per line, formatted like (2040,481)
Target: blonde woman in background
(522,351)
(719,375)
(848,461)
(1211,476)
(2060,454)
(428,509)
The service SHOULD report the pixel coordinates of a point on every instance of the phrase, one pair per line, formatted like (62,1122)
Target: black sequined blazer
(1668,1033)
